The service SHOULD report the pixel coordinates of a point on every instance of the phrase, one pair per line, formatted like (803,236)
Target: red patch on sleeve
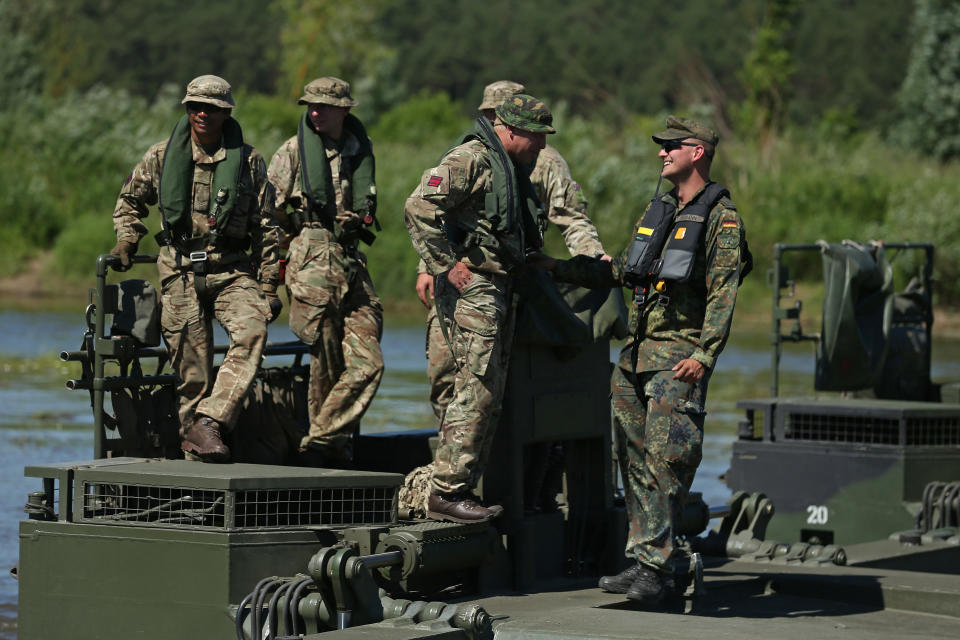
(434,181)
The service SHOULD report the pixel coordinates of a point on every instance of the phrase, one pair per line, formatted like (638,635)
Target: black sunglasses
(206,107)
(673,145)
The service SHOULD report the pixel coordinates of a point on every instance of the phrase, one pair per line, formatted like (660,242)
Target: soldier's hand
(125,250)
(688,370)
(425,288)
(606,258)
(275,307)
(460,276)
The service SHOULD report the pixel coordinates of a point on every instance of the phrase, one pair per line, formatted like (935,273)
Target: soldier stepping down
(687,259)
(218,257)
(470,239)
(326,200)
(566,207)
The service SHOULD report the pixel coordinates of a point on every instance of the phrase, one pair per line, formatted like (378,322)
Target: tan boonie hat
(496,92)
(328,90)
(682,128)
(527,113)
(210,89)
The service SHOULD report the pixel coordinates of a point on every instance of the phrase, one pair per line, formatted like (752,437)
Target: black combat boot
(622,582)
(649,588)
(459,508)
(203,440)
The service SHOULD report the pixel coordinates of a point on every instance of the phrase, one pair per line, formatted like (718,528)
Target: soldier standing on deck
(566,207)
(325,176)
(471,220)
(216,204)
(685,267)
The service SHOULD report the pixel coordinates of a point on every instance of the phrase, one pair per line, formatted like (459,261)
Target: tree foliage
(930,97)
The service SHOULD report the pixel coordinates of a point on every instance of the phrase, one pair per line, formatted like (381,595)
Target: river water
(41,422)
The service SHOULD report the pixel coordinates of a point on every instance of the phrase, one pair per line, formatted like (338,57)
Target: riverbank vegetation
(834,117)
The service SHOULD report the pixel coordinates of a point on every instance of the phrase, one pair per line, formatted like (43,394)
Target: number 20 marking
(817,514)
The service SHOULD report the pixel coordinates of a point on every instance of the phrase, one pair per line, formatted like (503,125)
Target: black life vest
(674,237)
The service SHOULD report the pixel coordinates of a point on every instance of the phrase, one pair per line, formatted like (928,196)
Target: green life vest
(510,205)
(176,180)
(317,182)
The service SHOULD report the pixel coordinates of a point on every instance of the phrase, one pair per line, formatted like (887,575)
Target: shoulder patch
(435,181)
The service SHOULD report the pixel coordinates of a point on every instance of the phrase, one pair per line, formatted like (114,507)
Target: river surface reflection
(41,422)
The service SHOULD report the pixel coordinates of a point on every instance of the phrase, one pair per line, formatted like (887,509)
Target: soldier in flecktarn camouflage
(472,250)
(218,257)
(686,262)
(326,198)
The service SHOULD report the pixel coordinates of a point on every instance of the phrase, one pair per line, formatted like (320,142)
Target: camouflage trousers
(658,423)
(335,310)
(234,298)
(441,367)
(480,321)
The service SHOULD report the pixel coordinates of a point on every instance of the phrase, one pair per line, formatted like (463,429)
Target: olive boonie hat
(210,89)
(328,90)
(527,113)
(496,92)
(681,128)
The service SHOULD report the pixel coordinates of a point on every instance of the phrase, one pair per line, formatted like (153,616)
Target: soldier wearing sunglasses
(218,257)
(687,259)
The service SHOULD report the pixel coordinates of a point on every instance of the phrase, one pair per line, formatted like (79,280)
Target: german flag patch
(434,181)
(729,225)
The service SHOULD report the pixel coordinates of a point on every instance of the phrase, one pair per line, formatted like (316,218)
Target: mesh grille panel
(158,506)
(297,507)
(237,510)
(920,430)
(933,431)
(841,428)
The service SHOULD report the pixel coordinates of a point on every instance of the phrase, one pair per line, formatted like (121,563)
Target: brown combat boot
(202,439)
(459,508)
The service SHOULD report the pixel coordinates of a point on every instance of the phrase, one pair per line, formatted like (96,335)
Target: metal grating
(154,506)
(298,507)
(213,509)
(920,430)
(933,431)
(841,428)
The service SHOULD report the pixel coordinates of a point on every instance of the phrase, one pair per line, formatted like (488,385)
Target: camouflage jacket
(452,194)
(284,175)
(566,206)
(253,217)
(695,321)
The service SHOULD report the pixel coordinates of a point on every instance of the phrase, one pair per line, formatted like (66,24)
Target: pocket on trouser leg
(476,338)
(178,308)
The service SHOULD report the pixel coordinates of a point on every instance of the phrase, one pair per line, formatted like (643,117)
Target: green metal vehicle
(137,543)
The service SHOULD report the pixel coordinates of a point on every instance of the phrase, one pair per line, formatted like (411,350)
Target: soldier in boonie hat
(496,92)
(526,113)
(328,90)
(683,128)
(211,90)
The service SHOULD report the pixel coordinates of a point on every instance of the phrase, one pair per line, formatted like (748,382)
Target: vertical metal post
(100,435)
(775,314)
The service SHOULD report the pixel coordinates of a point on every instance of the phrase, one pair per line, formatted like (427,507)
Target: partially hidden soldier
(685,264)
(471,219)
(326,197)
(566,207)
(218,257)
